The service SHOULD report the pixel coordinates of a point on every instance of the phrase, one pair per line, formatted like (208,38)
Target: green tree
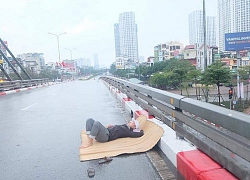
(180,68)
(164,80)
(112,69)
(216,73)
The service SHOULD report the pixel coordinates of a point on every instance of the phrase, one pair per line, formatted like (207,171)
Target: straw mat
(152,134)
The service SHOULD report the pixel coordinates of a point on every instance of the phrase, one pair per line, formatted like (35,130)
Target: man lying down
(96,131)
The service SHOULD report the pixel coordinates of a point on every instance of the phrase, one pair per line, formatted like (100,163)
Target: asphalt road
(40,134)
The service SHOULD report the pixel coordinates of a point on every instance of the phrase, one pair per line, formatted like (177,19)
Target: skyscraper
(196,27)
(96,63)
(117,40)
(234,16)
(211,31)
(126,40)
(196,32)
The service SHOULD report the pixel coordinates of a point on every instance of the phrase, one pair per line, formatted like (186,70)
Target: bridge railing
(222,134)
(11,85)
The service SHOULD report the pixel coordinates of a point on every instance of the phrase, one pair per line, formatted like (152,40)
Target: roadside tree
(216,73)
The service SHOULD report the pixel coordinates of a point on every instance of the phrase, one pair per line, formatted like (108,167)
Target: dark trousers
(96,130)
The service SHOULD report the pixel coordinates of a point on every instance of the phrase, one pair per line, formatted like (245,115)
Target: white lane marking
(29,107)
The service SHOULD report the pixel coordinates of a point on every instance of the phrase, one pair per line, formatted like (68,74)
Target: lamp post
(70,52)
(205,35)
(205,45)
(57,36)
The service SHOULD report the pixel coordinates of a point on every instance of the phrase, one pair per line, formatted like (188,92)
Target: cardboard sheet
(152,134)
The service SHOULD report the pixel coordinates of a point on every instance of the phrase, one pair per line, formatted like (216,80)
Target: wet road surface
(40,134)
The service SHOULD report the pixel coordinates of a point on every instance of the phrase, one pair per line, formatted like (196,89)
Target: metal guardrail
(222,134)
(11,85)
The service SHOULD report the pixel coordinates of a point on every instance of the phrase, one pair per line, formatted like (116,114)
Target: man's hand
(109,126)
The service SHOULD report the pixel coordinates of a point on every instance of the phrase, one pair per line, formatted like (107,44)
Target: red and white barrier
(189,161)
(24,89)
(197,165)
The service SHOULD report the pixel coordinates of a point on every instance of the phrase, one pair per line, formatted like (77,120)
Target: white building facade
(211,31)
(96,61)
(196,29)
(126,37)
(234,16)
(34,61)
(117,40)
(195,21)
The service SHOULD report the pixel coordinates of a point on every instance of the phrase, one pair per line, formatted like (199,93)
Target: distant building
(195,55)
(50,65)
(200,56)
(83,62)
(121,63)
(69,67)
(211,31)
(196,33)
(196,29)
(96,62)
(34,61)
(157,55)
(234,16)
(169,50)
(126,40)
(150,61)
(190,54)
(117,40)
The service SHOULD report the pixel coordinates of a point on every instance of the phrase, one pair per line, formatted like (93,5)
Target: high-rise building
(211,31)
(96,63)
(126,38)
(234,16)
(196,29)
(117,40)
(196,34)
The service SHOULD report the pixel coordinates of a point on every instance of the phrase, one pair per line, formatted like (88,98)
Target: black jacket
(122,131)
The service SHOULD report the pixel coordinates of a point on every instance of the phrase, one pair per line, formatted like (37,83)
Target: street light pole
(57,36)
(205,35)
(71,52)
(205,45)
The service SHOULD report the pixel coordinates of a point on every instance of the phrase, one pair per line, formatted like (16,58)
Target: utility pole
(205,35)
(238,75)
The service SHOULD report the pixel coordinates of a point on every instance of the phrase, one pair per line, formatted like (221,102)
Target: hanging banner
(240,90)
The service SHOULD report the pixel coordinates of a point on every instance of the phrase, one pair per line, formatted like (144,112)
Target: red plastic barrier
(2,93)
(192,163)
(126,99)
(141,112)
(221,174)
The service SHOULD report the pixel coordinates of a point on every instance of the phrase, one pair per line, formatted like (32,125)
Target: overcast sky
(89,25)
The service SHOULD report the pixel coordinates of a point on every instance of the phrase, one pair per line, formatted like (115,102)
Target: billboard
(237,41)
